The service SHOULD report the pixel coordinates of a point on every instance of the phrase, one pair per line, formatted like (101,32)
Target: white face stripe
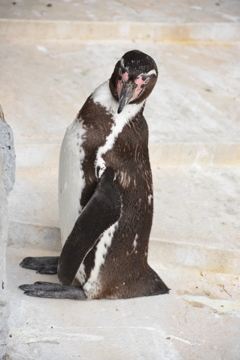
(103,96)
(151,72)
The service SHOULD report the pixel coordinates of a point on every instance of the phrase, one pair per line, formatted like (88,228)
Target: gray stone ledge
(45,155)
(8,153)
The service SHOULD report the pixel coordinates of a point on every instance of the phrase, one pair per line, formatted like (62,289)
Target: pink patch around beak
(139,81)
(119,87)
(125,76)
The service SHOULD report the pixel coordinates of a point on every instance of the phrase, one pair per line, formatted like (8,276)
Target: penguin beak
(126,94)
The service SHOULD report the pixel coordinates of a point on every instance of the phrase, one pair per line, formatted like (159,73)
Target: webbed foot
(51,290)
(42,265)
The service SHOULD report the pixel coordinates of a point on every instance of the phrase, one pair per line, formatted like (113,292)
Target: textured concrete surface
(186,11)
(217,33)
(190,323)
(8,153)
(193,117)
(4,303)
(196,218)
(187,21)
(193,113)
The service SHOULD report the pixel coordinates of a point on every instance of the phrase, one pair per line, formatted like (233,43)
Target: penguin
(105,194)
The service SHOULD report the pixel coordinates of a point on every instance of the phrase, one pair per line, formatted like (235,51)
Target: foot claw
(25,262)
(24,287)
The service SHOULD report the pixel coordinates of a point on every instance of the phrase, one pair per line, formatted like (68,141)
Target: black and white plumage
(105,193)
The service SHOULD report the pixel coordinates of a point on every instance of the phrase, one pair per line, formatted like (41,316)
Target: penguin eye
(145,78)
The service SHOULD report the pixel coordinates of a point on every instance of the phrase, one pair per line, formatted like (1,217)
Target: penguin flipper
(102,211)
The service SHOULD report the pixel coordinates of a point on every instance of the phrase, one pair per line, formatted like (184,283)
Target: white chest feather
(71,178)
(92,285)
(103,96)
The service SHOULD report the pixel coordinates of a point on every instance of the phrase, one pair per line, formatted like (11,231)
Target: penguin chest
(71,178)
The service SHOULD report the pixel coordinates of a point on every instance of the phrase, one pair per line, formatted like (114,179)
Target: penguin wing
(102,211)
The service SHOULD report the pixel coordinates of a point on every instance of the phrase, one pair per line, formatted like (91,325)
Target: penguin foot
(51,290)
(42,265)
(41,285)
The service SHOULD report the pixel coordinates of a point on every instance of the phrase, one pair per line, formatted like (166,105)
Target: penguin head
(133,78)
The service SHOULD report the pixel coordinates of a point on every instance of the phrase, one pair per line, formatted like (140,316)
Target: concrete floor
(190,323)
(193,116)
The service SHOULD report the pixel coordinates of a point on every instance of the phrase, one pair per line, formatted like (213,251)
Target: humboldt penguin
(105,194)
